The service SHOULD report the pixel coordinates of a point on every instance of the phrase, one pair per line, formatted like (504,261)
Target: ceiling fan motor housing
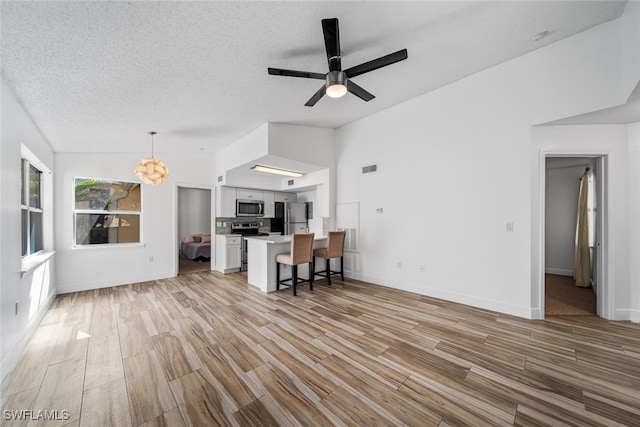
(339,80)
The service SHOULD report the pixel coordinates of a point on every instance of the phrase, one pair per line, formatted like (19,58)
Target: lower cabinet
(228,253)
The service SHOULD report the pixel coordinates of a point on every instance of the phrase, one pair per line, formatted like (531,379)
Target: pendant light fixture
(151,170)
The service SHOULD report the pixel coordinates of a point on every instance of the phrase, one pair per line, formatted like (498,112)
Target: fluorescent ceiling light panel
(268,169)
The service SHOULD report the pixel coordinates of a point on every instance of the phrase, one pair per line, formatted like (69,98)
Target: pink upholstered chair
(301,253)
(334,249)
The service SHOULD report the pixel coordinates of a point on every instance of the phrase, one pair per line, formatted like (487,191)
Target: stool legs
(342,268)
(294,276)
(294,281)
(328,272)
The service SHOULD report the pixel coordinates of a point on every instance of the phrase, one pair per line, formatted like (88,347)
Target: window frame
(76,211)
(25,206)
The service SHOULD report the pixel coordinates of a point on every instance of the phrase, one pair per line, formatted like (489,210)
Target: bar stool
(334,249)
(301,253)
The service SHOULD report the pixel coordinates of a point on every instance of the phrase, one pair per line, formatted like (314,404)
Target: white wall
(630,23)
(37,288)
(455,168)
(305,144)
(634,214)
(95,267)
(252,146)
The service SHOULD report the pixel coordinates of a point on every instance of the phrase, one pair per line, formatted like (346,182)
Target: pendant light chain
(152,133)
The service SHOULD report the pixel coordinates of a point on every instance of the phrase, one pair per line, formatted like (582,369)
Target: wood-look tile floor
(205,349)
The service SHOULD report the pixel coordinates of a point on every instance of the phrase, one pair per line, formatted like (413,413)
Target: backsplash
(264,224)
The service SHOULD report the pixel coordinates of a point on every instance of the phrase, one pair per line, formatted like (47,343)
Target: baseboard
(11,358)
(65,289)
(487,304)
(627,314)
(559,272)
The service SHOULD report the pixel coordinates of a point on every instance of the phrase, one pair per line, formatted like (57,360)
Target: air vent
(290,182)
(219,178)
(370,168)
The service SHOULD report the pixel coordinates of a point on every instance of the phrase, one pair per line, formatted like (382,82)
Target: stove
(246,229)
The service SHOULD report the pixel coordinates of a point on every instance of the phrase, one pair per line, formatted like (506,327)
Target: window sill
(32,262)
(107,246)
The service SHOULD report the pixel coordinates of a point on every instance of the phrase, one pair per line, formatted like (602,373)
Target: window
(31,205)
(106,212)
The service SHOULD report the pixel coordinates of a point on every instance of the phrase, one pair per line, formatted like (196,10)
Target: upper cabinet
(285,197)
(226,202)
(246,194)
(269,206)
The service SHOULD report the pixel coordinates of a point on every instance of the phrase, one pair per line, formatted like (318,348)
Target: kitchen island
(261,260)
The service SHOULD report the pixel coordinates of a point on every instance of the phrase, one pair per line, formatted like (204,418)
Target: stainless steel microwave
(249,207)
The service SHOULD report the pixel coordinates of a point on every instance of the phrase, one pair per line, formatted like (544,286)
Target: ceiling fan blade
(383,61)
(332,43)
(316,97)
(294,73)
(358,91)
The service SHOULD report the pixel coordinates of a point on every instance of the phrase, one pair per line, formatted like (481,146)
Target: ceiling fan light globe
(336,84)
(336,90)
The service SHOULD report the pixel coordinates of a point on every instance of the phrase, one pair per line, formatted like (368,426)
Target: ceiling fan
(337,81)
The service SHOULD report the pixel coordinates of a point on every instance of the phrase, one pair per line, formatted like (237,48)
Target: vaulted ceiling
(96,76)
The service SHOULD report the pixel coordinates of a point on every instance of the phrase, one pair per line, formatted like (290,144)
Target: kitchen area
(247,219)
(273,182)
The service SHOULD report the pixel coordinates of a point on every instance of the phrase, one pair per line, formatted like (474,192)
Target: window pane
(107,195)
(92,229)
(35,232)
(34,187)
(25,231)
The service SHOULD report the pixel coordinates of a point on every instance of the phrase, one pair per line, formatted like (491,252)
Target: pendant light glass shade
(151,170)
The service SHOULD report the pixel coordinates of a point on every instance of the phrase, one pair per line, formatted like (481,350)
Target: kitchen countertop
(278,239)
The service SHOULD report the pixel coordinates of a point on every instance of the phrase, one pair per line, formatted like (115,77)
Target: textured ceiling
(96,76)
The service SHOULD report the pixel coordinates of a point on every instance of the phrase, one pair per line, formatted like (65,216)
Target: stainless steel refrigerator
(293,217)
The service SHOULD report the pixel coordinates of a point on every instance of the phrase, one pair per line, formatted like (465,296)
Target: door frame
(604,282)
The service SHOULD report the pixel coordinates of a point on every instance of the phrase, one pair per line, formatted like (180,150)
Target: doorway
(195,246)
(563,175)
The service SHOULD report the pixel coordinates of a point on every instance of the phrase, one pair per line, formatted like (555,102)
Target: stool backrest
(335,243)
(302,248)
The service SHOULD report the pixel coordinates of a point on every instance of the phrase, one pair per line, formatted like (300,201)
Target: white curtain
(582,255)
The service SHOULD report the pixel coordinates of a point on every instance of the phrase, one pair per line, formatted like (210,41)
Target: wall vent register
(370,168)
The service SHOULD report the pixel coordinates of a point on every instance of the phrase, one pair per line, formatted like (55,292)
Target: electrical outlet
(399,264)
(151,259)
(422,268)
(510,226)
(379,210)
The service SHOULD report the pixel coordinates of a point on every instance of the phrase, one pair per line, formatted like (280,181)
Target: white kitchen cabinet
(247,194)
(228,253)
(269,206)
(226,202)
(285,197)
